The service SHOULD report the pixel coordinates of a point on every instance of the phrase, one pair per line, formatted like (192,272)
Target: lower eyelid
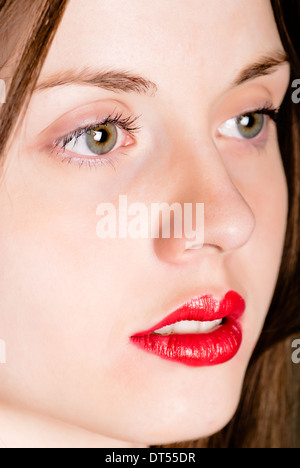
(110,159)
(80,161)
(242,145)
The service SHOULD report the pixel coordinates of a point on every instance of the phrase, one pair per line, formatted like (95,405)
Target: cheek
(262,256)
(271,209)
(60,317)
(261,181)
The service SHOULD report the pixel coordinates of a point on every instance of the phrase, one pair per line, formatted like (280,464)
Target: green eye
(250,125)
(102,138)
(245,126)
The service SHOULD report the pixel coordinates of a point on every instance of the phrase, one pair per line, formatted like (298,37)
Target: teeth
(207,326)
(188,326)
(165,330)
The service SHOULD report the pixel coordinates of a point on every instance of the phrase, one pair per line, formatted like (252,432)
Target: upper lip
(203,308)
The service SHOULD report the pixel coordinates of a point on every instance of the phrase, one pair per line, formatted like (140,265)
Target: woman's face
(182,72)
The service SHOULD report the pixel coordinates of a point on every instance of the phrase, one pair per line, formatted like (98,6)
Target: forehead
(161,39)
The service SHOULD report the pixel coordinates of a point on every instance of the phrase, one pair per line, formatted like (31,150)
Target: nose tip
(230,223)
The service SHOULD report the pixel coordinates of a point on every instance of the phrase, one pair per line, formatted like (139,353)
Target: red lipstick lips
(204,331)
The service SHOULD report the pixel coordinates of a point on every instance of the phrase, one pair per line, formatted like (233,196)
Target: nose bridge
(201,176)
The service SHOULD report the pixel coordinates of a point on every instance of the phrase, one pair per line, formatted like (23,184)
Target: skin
(70,301)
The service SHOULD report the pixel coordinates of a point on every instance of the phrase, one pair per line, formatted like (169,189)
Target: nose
(216,206)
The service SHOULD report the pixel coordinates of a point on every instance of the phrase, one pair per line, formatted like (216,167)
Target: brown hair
(269,413)
(26,30)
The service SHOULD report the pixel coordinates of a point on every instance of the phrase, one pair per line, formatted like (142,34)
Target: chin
(194,404)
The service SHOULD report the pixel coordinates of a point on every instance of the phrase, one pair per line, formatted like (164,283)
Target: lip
(198,349)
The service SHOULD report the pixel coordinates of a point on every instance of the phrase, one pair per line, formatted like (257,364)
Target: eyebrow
(111,80)
(262,67)
(124,81)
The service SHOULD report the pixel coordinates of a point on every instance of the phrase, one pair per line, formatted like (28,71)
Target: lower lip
(199,349)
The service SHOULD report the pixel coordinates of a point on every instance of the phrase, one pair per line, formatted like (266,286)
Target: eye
(98,140)
(245,127)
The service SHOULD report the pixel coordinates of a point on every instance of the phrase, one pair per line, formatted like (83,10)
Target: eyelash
(128,124)
(268,110)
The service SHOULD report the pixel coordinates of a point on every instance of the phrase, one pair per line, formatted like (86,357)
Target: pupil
(247,121)
(251,121)
(101,136)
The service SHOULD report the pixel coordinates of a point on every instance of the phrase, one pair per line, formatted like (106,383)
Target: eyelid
(117,119)
(82,117)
